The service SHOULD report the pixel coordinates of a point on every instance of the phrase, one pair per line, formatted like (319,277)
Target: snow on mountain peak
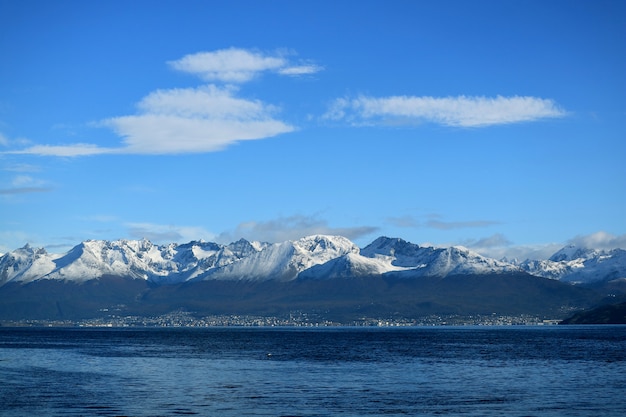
(404,253)
(25,264)
(351,265)
(430,261)
(572,252)
(311,257)
(322,247)
(282,261)
(580,265)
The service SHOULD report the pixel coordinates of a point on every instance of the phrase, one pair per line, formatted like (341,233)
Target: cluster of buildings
(295,319)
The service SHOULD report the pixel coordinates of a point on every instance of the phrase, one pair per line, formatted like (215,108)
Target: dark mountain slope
(341,299)
(62,300)
(606,314)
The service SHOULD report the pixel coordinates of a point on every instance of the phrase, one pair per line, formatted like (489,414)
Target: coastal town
(183,318)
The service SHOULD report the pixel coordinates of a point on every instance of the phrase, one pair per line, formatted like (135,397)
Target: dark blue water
(468,371)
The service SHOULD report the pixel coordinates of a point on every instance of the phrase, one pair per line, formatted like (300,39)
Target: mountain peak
(321,243)
(388,242)
(572,252)
(403,252)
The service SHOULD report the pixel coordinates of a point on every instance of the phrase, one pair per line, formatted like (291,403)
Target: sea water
(468,371)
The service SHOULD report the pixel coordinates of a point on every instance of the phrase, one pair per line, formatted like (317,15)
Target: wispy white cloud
(206,101)
(14,239)
(404,221)
(9,142)
(203,119)
(498,246)
(190,120)
(21,168)
(434,221)
(25,184)
(447,225)
(207,118)
(227,65)
(100,218)
(496,243)
(237,65)
(24,190)
(162,234)
(300,70)
(599,240)
(78,149)
(461,111)
(496,240)
(290,228)
(25,180)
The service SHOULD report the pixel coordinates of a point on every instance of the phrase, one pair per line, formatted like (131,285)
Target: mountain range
(321,273)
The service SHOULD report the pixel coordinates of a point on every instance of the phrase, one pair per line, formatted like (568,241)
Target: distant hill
(605,314)
(339,299)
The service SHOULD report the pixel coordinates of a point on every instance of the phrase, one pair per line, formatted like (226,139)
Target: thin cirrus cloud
(493,241)
(23,190)
(434,221)
(73,150)
(300,70)
(166,233)
(25,184)
(498,246)
(443,225)
(207,118)
(291,228)
(460,111)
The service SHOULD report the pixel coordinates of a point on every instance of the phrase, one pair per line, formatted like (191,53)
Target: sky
(496,125)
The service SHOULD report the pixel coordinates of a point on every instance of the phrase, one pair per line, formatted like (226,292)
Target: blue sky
(500,126)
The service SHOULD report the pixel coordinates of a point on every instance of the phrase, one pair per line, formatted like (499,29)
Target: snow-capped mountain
(25,264)
(396,255)
(139,259)
(439,262)
(580,265)
(284,261)
(313,257)
(351,265)
(572,253)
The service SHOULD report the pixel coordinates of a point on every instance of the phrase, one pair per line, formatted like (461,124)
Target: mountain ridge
(316,256)
(327,276)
